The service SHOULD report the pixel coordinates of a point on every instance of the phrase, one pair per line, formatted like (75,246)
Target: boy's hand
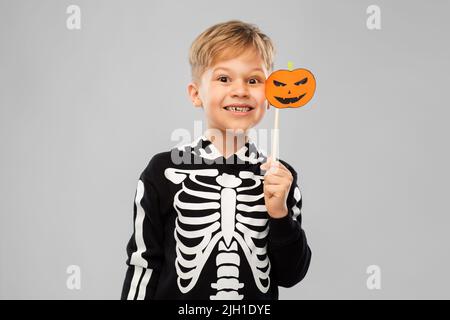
(277,183)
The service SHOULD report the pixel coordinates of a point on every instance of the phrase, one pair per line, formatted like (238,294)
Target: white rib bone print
(229,225)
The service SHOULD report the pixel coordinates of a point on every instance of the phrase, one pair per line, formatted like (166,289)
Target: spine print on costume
(235,220)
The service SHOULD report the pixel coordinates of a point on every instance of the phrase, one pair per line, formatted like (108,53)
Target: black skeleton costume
(202,231)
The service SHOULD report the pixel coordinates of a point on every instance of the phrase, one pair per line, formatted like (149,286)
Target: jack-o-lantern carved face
(290,89)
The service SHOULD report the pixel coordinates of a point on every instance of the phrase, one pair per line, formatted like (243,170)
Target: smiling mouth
(238,109)
(289,100)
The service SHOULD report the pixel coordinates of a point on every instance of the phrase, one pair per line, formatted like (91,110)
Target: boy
(208,224)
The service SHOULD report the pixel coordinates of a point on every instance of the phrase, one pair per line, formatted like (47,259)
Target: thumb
(267,164)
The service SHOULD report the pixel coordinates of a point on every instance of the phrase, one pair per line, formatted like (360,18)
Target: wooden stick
(276,132)
(276,136)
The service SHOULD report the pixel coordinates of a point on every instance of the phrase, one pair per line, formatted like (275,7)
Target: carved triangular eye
(278,84)
(301,82)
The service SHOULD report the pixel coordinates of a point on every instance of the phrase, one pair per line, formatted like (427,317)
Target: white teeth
(238,109)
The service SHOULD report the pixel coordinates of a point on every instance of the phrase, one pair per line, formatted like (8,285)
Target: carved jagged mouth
(289,100)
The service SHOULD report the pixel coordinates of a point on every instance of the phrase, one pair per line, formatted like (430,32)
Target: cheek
(259,95)
(217,94)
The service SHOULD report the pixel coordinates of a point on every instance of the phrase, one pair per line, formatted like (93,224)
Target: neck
(227,143)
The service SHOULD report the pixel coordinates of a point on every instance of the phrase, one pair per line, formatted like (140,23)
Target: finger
(278,171)
(272,190)
(282,166)
(275,168)
(273,163)
(266,164)
(276,180)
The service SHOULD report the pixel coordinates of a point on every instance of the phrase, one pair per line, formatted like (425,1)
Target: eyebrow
(226,69)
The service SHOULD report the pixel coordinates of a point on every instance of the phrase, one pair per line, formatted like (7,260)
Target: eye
(221,78)
(256,80)
(301,82)
(278,84)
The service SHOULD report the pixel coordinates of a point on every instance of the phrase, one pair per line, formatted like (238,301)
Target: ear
(193,93)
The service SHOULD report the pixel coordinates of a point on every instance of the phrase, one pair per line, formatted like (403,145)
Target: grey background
(83,111)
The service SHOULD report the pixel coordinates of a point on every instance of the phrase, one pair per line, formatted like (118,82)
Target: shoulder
(159,162)
(154,170)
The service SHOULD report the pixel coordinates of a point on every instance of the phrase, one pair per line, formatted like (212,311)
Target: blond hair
(225,40)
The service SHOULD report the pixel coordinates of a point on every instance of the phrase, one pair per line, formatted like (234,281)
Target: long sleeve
(144,249)
(288,248)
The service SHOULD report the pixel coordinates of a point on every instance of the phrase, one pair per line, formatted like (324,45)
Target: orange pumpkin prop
(290,89)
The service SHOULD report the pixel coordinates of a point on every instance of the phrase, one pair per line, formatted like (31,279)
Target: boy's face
(237,81)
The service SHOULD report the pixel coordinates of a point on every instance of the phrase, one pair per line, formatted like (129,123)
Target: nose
(239,89)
